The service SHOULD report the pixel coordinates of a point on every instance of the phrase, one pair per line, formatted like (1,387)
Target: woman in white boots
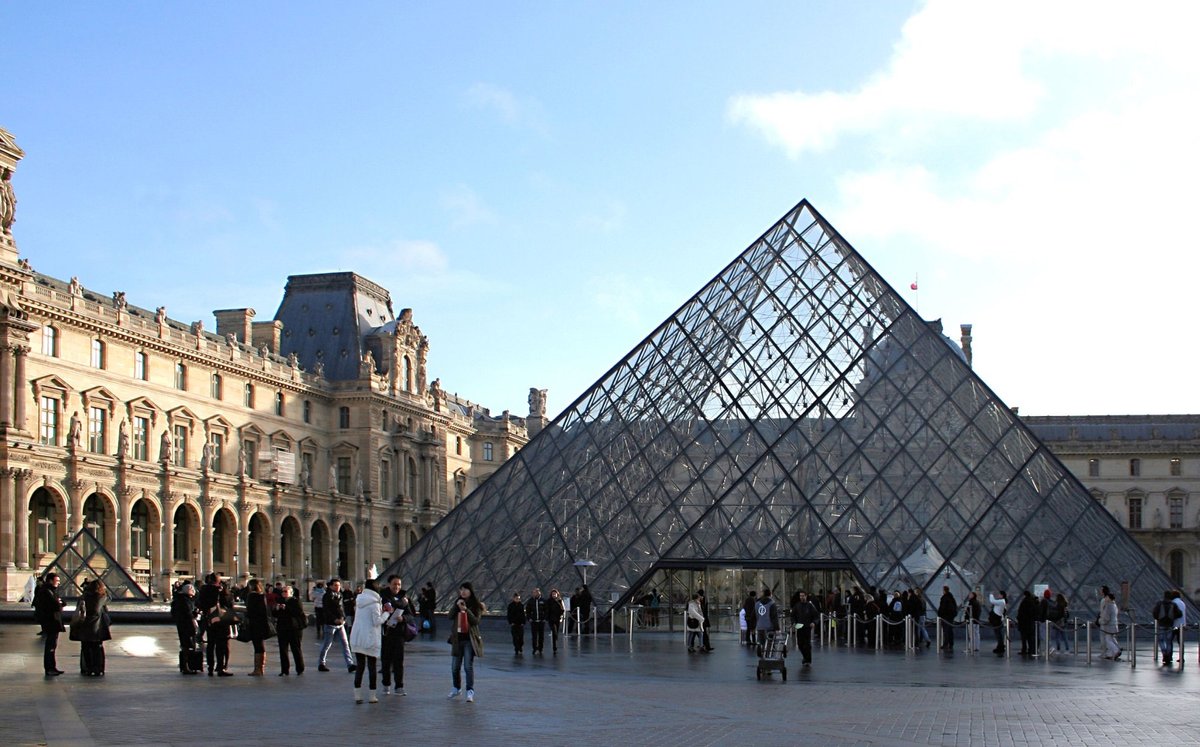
(366,637)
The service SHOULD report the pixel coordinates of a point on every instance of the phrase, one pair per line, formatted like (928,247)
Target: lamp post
(195,563)
(583,565)
(272,579)
(235,564)
(150,568)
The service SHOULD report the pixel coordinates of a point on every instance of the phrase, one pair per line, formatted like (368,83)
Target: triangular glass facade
(794,411)
(85,559)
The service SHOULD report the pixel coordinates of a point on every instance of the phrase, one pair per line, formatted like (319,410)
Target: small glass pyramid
(85,559)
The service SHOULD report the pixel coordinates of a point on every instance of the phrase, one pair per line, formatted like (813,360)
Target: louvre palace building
(317,443)
(300,447)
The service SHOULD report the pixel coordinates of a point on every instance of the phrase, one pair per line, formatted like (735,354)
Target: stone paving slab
(598,691)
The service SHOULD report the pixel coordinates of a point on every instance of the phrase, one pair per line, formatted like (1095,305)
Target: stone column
(7,514)
(243,543)
(6,392)
(306,546)
(21,517)
(206,540)
(276,544)
(20,404)
(124,525)
(75,506)
(166,543)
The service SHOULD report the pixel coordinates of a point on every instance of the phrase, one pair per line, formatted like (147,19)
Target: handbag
(271,631)
(693,623)
(409,631)
(243,633)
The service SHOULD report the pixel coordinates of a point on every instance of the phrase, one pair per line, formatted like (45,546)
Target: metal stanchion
(938,633)
(1007,638)
(852,632)
(879,632)
(1133,645)
(1089,642)
(1075,637)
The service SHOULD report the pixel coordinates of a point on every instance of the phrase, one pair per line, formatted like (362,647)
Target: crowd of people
(371,625)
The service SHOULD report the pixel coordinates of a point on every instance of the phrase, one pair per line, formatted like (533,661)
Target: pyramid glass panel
(85,559)
(794,413)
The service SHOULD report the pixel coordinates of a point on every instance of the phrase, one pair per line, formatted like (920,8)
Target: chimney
(267,333)
(966,342)
(237,321)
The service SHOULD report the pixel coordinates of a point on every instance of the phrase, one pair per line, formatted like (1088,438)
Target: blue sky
(544,183)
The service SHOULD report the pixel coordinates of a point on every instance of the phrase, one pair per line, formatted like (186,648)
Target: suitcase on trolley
(91,661)
(194,660)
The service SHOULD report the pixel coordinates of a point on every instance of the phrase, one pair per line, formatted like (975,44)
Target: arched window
(217,386)
(139,529)
(95,517)
(50,341)
(180,376)
(412,479)
(97,354)
(45,523)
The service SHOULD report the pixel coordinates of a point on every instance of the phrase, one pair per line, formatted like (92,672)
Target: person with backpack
(1165,614)
(766,616)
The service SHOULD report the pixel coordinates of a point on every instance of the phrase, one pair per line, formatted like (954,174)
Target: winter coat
(473,634)
(366,637)
(1108,617)
(290,619)
(256,617)
(95,625)
(947,607)
(516,613)
(47,607)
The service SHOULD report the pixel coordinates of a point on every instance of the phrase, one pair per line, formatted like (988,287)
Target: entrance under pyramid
(794,419)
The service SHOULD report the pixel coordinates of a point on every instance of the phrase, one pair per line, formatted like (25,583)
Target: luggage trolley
(772,655)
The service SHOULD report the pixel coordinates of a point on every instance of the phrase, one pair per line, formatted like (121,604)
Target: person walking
(1180,621)
(916,608)
(466,642)
(183,614)
(427,604)
(947,611)
(395,636)
(535,615)
(695,624)
(804,618)
(1109,625)
(998,619)
(749,607)
(221,620)
(582,604)
(47,612)
(516,624)
(93,629)
(1164,615)
(554,615)
(318,599)
(335,625)
(290,622)
(366,637)
(258,625)
(766,617)
(208,598)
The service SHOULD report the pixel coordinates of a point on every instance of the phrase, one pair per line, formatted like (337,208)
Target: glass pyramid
(794,412)
(85,559)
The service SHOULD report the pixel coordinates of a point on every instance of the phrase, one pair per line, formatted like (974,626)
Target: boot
(260,661)
(358,695)
(371,696)
(387,689)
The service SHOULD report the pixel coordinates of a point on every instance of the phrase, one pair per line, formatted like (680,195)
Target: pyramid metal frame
(84,558)
(795,412)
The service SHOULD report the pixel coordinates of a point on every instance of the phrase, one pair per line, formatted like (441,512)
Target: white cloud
(466,207)
(407,255)
(632,303)
(512,110)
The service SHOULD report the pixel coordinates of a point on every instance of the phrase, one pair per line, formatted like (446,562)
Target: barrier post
(1132,645)
(851,630)
(1089,641)
(879,632)
(1007,639)
(938,633)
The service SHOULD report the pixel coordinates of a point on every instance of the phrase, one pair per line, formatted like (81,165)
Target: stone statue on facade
(8,202)
(537,402)
(160,315)
(75,432)
(119,302)
(197,328)
(293,360)
(241,468)
(332,477)
(166,446)
(358,485)
(368,364)
(319,369)
(75,287)
(208,456)
(305,475)
(123,439)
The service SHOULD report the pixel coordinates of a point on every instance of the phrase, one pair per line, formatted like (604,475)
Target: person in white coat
(366,637)
(1109,626)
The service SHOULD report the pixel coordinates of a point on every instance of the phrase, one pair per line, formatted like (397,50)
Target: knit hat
(1046,594)
(186,589)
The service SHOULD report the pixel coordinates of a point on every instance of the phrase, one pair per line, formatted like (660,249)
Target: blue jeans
(1166,643)
(457,662)
(336,632)
(1059,635)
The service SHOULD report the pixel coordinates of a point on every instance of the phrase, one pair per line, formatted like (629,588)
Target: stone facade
(285,448)
(1144,469)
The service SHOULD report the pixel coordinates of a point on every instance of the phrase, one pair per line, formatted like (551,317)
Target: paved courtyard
(598,691)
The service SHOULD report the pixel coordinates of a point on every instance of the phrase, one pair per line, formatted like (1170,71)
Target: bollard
(938,634)
(1156,650)
(1075,637)
(1007,639)
(1133,645)
(1046,648)
(1089,642)
(852,632)
(879,632)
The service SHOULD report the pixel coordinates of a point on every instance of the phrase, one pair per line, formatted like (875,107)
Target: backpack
(1166,613)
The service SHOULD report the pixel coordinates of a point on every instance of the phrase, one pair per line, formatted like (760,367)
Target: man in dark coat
(47,611)
(947,611)
(290,622)
(805,617)
(516,623)
(536,615)
(582,604)
(183,614)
